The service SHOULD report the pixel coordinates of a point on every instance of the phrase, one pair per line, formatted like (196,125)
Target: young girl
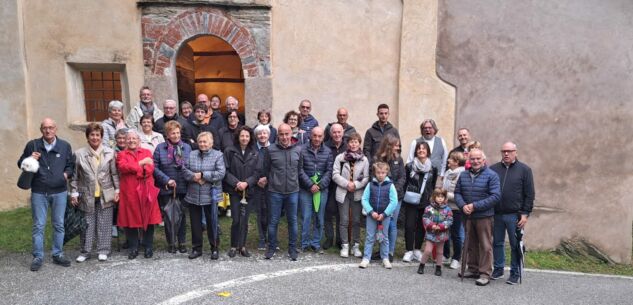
(437,220)
(380,200)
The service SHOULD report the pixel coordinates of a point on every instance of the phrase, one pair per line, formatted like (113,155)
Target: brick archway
(163,37)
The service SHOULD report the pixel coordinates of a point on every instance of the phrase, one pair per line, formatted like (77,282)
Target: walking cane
(465,248)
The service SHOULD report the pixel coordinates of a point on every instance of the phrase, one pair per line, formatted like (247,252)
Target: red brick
(161,71)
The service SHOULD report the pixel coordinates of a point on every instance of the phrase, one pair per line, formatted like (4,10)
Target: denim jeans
(393,229)
(505,223)
(39,210)
(457,237)
(289,202)
(312,226)
(371,227)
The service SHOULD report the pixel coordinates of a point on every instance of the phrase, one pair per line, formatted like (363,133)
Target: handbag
(26,177)
(411,197)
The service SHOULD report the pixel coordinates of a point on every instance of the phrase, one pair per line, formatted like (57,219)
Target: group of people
(324,178)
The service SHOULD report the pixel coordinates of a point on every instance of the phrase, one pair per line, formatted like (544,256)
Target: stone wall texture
(555,77)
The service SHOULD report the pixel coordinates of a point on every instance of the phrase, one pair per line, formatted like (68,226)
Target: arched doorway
(209,65)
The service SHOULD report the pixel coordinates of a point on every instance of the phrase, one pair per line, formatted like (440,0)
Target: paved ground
(314,279)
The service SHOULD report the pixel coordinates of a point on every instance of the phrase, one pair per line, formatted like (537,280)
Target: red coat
(138,205)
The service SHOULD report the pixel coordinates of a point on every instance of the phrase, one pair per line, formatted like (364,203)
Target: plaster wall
(555,77)
(336,54)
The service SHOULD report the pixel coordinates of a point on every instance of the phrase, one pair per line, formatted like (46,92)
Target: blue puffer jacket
(308,124)
(481,189)
(316,161)
(211,165)
(165,169)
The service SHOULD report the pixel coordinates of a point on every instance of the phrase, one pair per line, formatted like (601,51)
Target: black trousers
(259,203)
(182,229)
(413,227)
(239,223)
(132,235)
(211,213)
(331,213)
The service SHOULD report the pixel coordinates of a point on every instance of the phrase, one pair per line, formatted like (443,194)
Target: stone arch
(163,37)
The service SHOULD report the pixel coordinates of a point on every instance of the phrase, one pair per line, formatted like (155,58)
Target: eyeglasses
(507,151)
(305,107)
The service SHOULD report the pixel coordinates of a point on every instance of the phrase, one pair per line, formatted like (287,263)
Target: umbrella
(74,222)
(465,250)
(146,192)
(173,215)
(243,221)
(316,197)
(520,251)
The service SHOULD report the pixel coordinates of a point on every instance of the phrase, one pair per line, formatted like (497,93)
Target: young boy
(380,199)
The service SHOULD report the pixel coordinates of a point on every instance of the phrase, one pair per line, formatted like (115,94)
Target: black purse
(26,178)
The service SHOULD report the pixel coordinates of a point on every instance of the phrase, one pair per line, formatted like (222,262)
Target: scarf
(174,153)
(418,167)
(353,156)
(146,109)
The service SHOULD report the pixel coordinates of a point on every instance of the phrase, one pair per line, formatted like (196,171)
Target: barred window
(100,87)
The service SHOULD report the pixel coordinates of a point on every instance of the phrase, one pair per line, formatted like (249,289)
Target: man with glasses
(517,200)
(170,107)
(307,120)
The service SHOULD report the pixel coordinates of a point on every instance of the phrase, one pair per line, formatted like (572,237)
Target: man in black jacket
(170,108)
(377,131)
(49,188)
(517,199)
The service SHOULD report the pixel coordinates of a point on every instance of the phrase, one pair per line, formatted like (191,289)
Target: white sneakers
(103,257)
(364,263)
(228,213)
(356,250)
(386,263)
(81,258)
(417,255)
(345,250)
(455,264)
(408,256)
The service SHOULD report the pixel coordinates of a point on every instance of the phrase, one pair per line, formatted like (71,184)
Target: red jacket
(138,205)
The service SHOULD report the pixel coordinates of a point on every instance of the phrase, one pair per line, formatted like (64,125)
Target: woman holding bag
(95,189)
(421,178)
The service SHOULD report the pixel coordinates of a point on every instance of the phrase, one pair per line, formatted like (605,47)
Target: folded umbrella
(173,215)
(316,197)
(520,251)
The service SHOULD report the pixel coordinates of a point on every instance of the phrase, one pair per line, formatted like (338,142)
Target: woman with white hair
(113,123)
(260,192)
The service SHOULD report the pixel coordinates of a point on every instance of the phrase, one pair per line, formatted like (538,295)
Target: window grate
(99,89)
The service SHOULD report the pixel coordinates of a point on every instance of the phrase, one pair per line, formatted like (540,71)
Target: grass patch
(15,237)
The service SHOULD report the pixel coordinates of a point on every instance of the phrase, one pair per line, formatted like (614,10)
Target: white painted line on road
(198,293)
(624,277)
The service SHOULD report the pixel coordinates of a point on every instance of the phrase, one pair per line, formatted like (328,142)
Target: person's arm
(444,158)
(393,201)
(411,155)
(427,219)
(365,201)
(336,172)
(304,179)
(219,172)
(69,168)
(114,173)
(74,192)
(128,165)
(528,192)
(229,178)
(160,177)
(402,178)
(327,175)
(459,200)
(448,221)
(367,144)
(363,182)
(186,172)
(28,151)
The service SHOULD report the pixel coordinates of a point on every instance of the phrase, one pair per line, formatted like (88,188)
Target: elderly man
(338,145)
(308,122)
(439,152)
(49,188)
(283,164)
(517,200)
(213,117)
(145,106)
(341,119)
(170,108)
(476,194)
(377,131)
(315,177)
(232,103)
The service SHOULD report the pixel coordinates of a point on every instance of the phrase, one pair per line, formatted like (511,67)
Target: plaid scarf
(174,153)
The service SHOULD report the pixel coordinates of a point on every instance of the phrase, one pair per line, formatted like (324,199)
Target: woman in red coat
(138,205)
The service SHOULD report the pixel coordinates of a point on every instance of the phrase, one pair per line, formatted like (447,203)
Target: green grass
(15,237)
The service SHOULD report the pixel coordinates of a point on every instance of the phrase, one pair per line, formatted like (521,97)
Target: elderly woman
(186,109)
(260,193)
(264,119)
(169,159)
(204,170)
(113,123)
(120,143)
(95,189)
(138,206)
(148,137)
(242,174)
(421,178)
(293,119)
(227,134)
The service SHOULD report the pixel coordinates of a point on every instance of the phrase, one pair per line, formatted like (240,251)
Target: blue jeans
(310,216)
(505,223)
(457,237)
(371,227)
(39,210)
(393,229)
(289,203)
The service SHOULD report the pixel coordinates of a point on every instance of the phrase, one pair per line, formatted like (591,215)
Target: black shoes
(132,254)
(293,254)
(421,269)
(269,253)
(438,270)
(148,253)
(328,243)
(36,264)
(195,254)
(214,254)
(171,249)
(245,253)
(182,249)
(61,260)
(232,252)
(496,274)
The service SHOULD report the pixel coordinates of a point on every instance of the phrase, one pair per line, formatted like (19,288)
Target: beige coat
(341,174)
(83,182)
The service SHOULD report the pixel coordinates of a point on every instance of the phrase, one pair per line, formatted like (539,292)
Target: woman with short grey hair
(113,123)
